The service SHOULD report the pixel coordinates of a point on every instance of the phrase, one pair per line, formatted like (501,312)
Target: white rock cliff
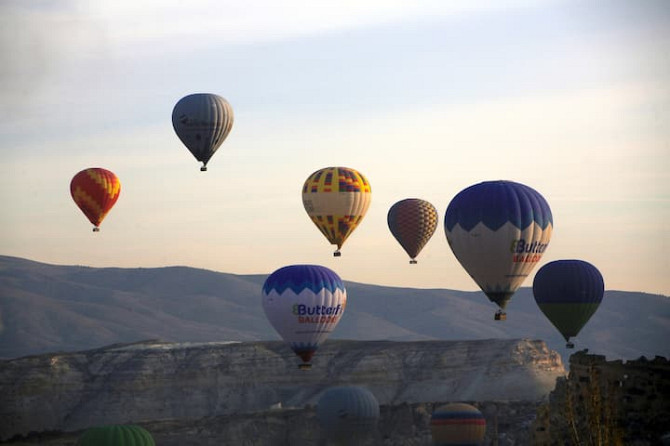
(153,381)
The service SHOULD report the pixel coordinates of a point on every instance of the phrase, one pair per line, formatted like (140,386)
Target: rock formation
(607,402)
(155,382)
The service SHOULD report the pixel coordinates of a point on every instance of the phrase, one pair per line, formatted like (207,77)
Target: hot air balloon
(348,413)
(336,199)
(568,292)
(202,122)
(412,222)
(304,303)
(116,435)
(498,231)
(457,424)
(95,191)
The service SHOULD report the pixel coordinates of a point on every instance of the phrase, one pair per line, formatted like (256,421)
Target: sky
(424,98)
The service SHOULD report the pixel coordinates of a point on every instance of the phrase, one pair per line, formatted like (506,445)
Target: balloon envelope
(202,122)
(457,424)
(304,303)
(95,191)
(412,222)
(119,435)
(498,231)
(568,292)
(336,199)
(347,411)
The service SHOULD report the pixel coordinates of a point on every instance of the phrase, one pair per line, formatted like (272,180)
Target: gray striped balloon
(202,122)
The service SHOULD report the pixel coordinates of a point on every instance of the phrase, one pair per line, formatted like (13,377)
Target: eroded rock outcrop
(607,402)
(153,381)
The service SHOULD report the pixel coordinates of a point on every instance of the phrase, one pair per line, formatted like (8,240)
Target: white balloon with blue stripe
(304,304)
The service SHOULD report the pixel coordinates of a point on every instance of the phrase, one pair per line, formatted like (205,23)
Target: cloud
(36,40)
(200,22)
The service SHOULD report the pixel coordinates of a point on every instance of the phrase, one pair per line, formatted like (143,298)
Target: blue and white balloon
(304,303)
(498,231)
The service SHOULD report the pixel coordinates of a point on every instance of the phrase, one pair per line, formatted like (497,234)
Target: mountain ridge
(46,308)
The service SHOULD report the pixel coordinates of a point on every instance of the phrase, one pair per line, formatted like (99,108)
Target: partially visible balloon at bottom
(116,435)
(347,412)
(457,424)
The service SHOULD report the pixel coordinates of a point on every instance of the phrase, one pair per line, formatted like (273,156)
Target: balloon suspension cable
(337,253)
(96,229)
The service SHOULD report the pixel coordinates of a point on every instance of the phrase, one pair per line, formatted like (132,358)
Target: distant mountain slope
(45,308)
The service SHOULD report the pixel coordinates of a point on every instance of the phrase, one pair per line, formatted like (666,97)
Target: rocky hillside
(154,381)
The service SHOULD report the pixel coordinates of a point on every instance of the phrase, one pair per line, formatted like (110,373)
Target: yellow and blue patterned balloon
(336,199)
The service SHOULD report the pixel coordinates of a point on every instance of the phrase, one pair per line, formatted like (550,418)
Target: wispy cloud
(200,22)
(37,39)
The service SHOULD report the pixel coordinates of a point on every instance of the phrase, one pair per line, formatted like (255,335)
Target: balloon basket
(305,366)
(96,229)
(570,345)
(203,169)
(413,262)
(337,254)
(500,316)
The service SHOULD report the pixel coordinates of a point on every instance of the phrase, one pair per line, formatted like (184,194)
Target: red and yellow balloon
(95,191)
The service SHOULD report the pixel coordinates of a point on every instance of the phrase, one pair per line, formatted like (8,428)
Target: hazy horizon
(265,273)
